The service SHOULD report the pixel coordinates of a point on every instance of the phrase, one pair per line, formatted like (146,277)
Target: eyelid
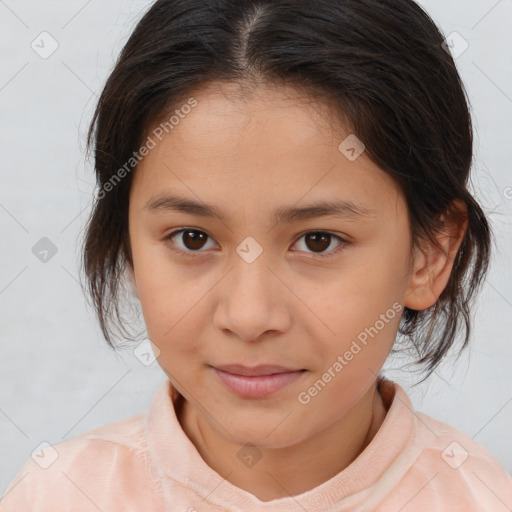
(333,252)
(175,232)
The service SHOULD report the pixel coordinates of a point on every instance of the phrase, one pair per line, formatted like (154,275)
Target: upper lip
(265,369)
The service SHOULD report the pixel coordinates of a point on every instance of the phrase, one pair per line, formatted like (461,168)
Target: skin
(248,157)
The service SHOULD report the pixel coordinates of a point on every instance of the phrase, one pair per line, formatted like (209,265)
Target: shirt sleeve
(15,498)
(85,475)
(64,477)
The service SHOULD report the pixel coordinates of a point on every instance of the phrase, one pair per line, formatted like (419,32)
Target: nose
(253,302)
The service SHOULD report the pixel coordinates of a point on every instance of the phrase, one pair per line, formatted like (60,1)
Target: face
(254,274)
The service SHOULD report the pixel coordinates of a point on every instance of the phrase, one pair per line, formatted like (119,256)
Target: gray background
(58,378)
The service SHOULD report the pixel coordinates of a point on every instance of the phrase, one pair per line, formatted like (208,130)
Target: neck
(275,475)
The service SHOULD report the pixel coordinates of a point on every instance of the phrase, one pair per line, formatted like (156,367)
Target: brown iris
(318,241)
(194,240)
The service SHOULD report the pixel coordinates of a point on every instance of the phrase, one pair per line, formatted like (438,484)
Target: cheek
(173,325)
(161,291)
(360,310)
(168,312)
(174,315)
(356,296)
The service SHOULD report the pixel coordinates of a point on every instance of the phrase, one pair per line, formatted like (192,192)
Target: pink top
(146,463)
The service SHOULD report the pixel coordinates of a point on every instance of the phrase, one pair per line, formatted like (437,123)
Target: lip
(258,381)
(255,371)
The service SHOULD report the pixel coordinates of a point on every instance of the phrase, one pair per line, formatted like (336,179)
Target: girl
(283,184)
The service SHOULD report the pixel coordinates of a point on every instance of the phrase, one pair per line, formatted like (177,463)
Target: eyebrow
(338,208)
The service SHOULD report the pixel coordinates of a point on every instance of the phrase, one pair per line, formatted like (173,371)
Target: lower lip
(257,386)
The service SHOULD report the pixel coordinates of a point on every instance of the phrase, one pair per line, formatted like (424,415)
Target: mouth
(258,381)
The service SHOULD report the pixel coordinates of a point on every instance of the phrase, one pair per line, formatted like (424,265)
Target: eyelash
(192,254)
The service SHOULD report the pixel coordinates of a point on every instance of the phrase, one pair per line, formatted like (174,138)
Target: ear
(433,265)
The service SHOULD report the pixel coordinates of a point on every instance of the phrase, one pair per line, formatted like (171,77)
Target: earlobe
(432,264)
(420,294)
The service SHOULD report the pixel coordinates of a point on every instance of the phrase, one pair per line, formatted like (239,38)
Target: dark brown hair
(381,63)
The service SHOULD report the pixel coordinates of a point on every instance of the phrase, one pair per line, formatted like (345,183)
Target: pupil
(195,237)
(314,241)
(316,237)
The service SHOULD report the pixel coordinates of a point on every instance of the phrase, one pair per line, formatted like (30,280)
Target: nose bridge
(251,278)
(251,302)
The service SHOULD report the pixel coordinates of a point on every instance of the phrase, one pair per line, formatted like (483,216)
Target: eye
(191,239)
(322,240)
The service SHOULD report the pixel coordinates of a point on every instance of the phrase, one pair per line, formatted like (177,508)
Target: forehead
(229,112)
(273,143)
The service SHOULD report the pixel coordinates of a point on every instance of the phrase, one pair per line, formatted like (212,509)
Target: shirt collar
(366,479)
